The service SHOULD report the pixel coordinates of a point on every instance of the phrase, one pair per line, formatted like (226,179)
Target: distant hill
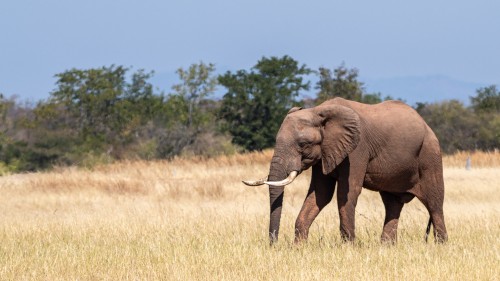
(433,88)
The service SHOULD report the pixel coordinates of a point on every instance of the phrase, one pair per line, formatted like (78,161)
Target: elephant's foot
(300,236)
(390,232)
(440,237)
(437,220)
(347,236)
(387,239)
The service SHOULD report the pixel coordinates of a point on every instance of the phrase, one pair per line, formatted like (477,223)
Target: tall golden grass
(193,219)
(478,159)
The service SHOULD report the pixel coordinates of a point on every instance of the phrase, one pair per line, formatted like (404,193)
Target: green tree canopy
(190,111)
(344,83)
(487,100)
(100,106)
(197,83)
(486,105)
(257,100)
(455,126)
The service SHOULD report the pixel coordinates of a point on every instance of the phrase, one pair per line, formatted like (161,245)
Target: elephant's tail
(428,230)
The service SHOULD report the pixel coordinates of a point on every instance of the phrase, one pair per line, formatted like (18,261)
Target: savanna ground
(195,220)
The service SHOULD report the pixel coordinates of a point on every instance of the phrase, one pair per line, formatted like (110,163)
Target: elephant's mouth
(284,182)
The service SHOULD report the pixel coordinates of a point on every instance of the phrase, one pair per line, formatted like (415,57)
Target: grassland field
(193,219)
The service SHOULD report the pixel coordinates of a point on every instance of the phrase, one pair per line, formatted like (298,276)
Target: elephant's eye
(305,139)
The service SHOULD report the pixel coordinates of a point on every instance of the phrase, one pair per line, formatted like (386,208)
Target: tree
(486,106)
(343,84)
(4,105)
(487,100)
(3,138)
(372,98)
(197,84)
(189,110)
(16,150)
(100,107)
(257,101)
(456,127)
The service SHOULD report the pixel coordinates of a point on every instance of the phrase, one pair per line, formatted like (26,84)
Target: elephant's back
(392,130)
(388,117)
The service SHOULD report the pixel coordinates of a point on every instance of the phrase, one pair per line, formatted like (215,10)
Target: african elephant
(386,147)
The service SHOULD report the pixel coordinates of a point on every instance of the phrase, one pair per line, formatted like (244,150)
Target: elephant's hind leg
(393,206)
(319,195)
(431,192)
(434,204)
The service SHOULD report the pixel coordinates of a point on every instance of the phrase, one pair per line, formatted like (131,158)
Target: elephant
(385,147)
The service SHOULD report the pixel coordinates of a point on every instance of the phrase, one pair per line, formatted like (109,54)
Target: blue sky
(383,39)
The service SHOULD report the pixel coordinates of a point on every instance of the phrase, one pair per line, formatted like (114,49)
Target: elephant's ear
(340,133)
(293,109)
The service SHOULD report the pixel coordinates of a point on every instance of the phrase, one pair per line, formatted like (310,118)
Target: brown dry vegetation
(478,159)
(193,219)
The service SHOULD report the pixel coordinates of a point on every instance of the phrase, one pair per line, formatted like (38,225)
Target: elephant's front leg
(348,190)
(319,195)
(347,198)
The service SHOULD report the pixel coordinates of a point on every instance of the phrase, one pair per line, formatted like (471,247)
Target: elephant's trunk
(276,194)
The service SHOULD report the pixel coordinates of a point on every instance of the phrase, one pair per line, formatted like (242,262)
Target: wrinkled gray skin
(385,147)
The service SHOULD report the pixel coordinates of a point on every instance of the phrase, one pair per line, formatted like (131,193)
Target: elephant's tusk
(255,183)
(284,182)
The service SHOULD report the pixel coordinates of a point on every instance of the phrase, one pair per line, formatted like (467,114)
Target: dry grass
(478,159)
(194,220)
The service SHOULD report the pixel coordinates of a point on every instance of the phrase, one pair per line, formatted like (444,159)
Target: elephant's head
(326,133)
